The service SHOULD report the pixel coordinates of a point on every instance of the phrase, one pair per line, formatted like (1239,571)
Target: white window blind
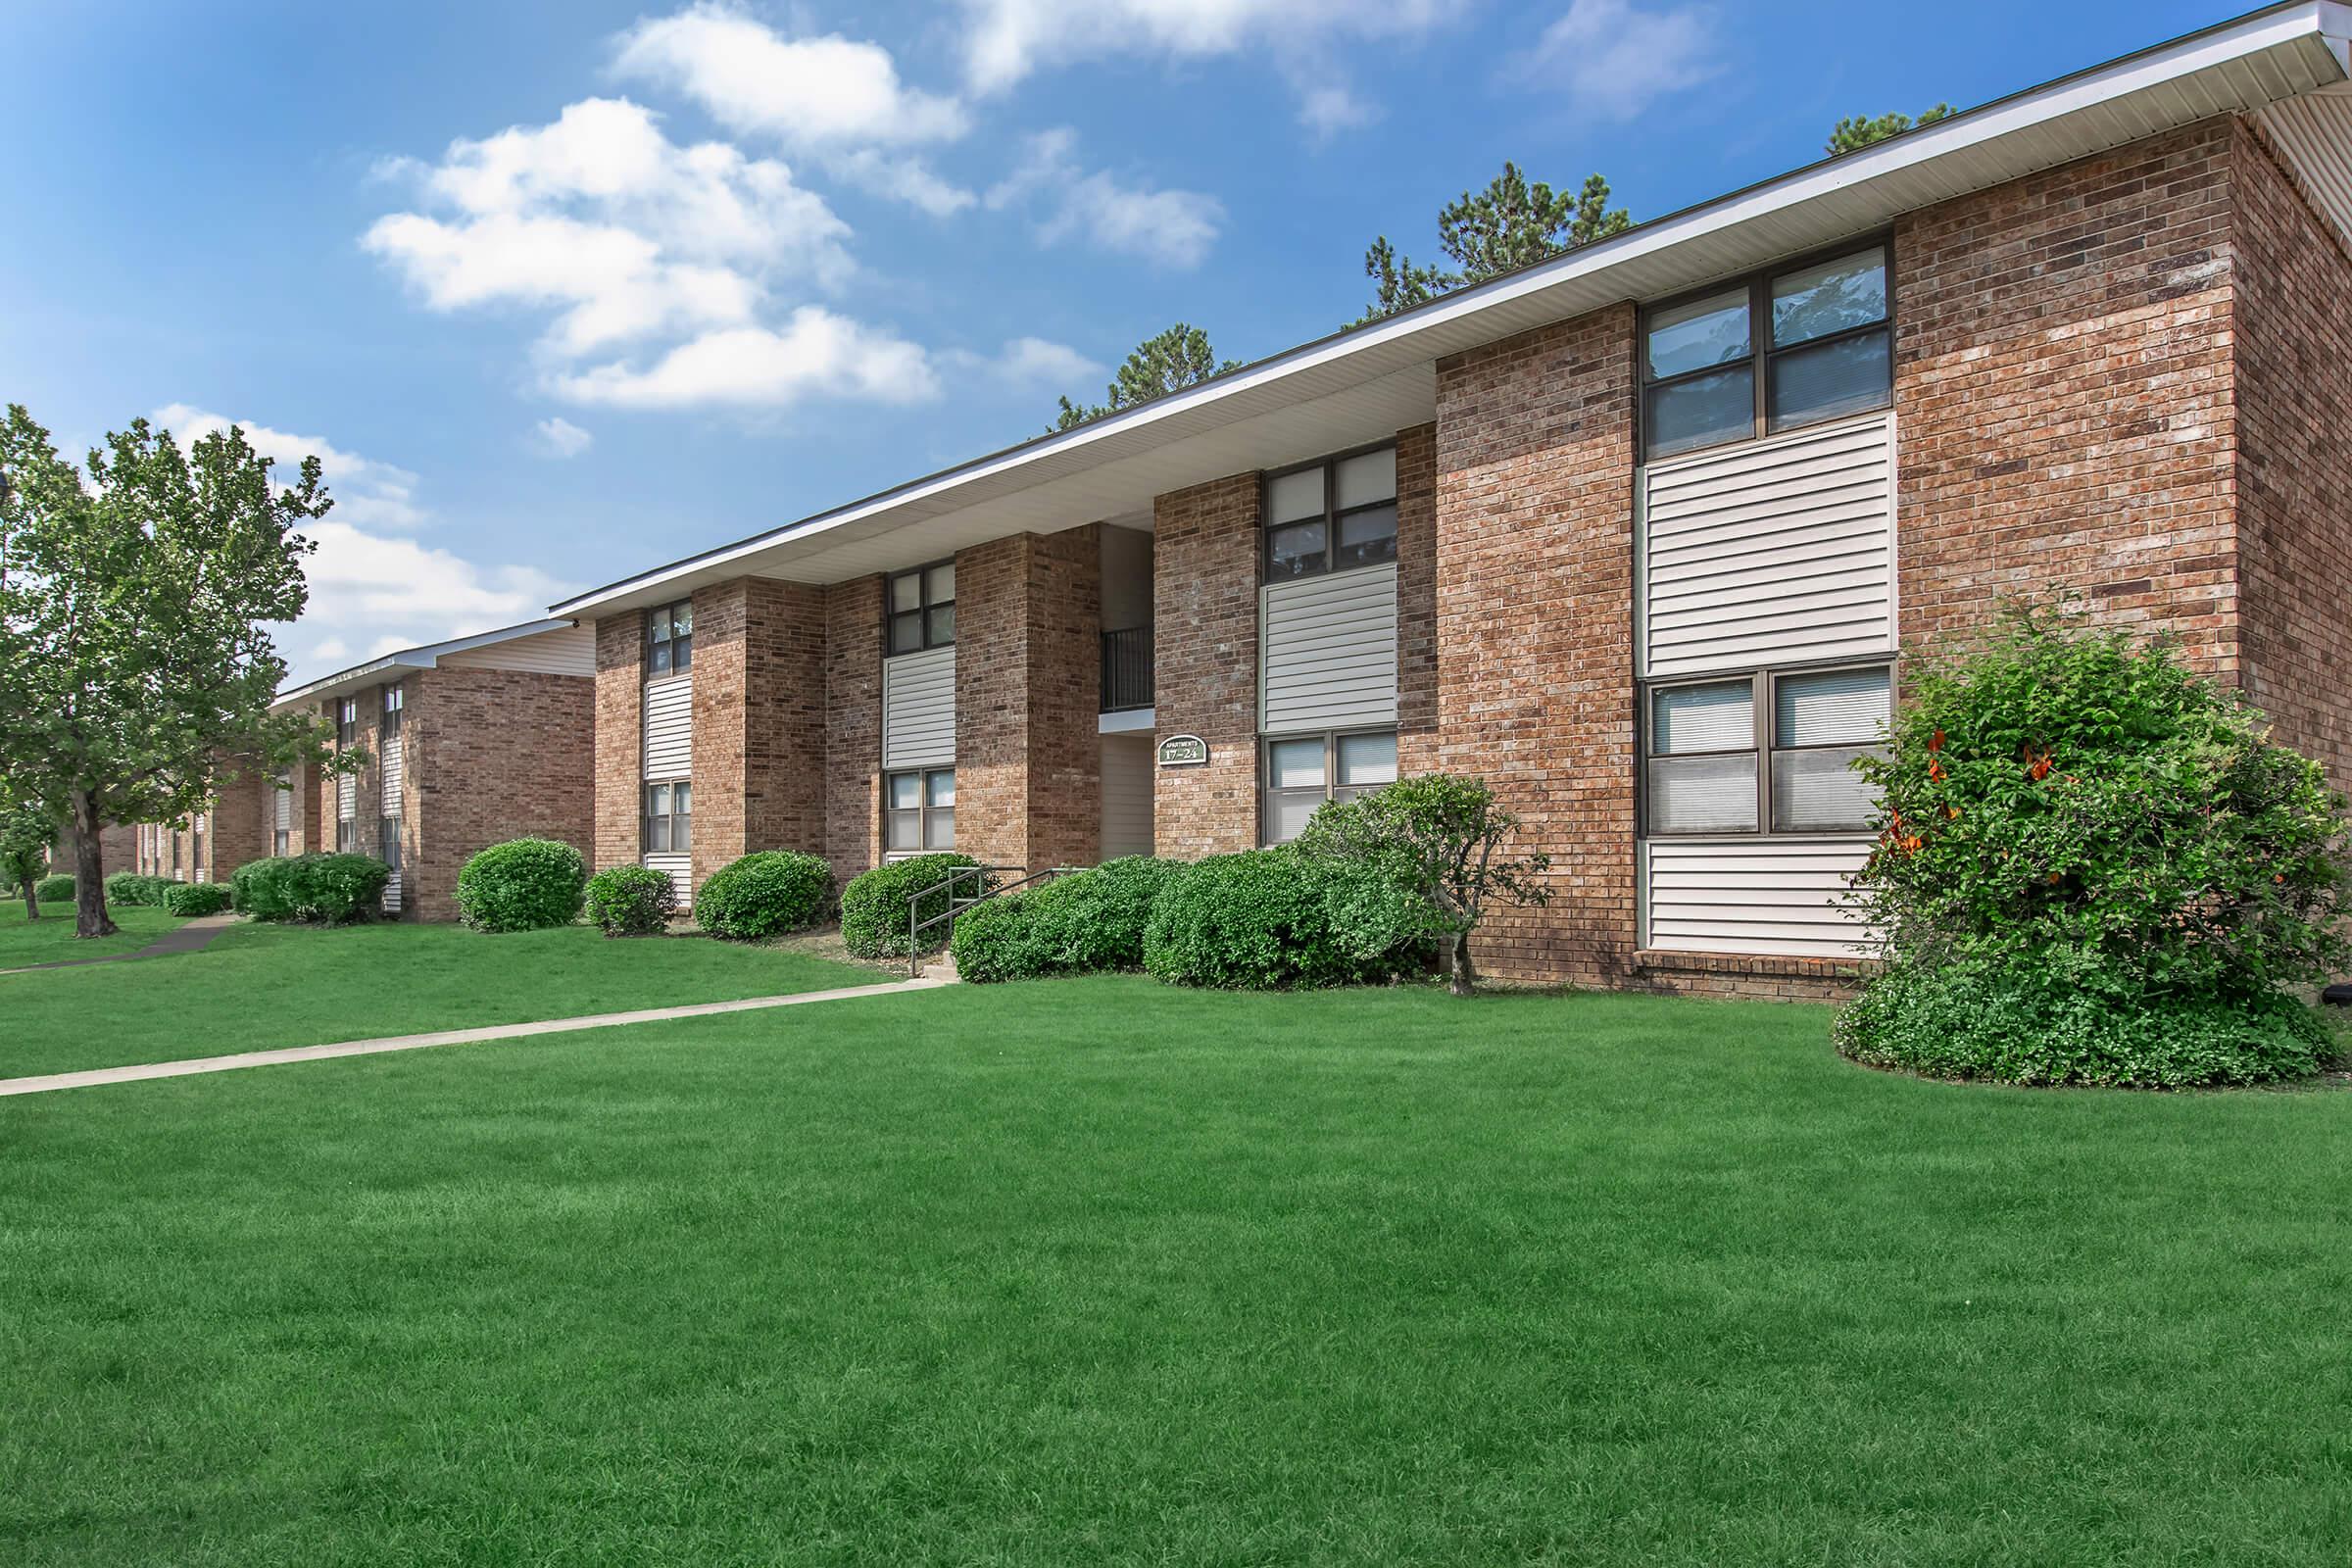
(1821,723)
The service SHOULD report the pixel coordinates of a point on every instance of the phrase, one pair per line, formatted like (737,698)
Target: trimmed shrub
(523,885)
(2094,868)
(1078,924)
(196,898)
(632,900)
(54,889)
(322,889)
(1259,920)
(765,894)
(131,888)
(874,906)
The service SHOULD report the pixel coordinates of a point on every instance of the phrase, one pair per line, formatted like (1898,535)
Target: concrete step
(939,966)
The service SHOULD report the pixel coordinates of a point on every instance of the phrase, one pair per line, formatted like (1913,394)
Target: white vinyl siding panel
(670,728)
(281,810)
(392,893)
(918,709)
(394,771)
(1328,652)
(1126,796)
(1764,896)
(347,797)
(1775,552)
(679,869)
(569,651)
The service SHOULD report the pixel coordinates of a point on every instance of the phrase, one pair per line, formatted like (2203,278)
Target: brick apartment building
(1640,534)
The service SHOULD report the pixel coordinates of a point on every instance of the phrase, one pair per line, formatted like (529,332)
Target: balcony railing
(1126,669)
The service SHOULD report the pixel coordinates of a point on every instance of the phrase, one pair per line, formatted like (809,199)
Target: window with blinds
(1766,752)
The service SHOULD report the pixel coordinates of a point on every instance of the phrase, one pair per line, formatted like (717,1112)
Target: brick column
(619,750)
(1417,599)
(241,819)
(1205,648)
(759,720)
(1028,700)
(1535,602)
(853,691)
(493,754)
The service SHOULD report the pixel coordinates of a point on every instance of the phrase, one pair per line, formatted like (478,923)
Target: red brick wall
(492,755)
(2293,287)
(759,720)
(241,819)
(1534,684)
(1417,597)
(2063,397)
(620,746)
(854,725)
(1028,669)
(1205,646)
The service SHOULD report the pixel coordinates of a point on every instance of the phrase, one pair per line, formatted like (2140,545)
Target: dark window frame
(671,655)
(395,702)
(924,811)
(1333,514)
(388,835)
(675,825)
(1764,706)
(1331,738)
(1760,351)
(347,722)
(924,607)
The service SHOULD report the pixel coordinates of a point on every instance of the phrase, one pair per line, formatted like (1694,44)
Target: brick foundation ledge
(1748,974)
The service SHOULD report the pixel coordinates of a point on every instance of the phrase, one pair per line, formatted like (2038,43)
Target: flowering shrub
(2094,867)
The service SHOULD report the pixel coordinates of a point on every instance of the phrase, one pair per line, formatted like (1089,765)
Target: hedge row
(195,898)
(131,888)
(324,889)
(54,889)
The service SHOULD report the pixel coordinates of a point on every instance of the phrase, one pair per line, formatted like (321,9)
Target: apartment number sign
(1183,751)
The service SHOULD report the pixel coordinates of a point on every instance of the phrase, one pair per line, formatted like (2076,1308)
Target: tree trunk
(1457,965)
(32,901)
(89,870)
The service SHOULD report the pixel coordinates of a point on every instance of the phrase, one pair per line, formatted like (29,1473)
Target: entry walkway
(447,1037)
(190,936)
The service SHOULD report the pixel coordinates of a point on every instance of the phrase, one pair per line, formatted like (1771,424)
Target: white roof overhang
(376,670)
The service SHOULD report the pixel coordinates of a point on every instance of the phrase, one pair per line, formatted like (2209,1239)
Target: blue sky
(563,290)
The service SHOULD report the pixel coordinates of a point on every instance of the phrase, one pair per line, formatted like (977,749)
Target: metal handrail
(956,906)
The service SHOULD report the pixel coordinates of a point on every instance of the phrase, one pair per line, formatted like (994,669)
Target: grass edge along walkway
(95,1077)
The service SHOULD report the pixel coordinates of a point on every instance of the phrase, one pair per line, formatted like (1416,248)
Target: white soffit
(1357,387)
(2313,137)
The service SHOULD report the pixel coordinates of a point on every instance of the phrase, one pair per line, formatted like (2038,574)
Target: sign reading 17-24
(1183,751)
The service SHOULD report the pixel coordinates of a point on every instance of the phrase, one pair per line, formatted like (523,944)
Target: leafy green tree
(1508,226)
(1858,131)
(1437,841)
(26,831)
(132,649)
(1167,361)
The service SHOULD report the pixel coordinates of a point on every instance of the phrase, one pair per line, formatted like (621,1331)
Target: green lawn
(50,939)
(1101,1272)
(260,986)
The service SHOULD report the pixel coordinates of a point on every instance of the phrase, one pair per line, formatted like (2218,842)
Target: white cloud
(365,492)
(814,353)
(1170,228)
(1028,362)
(1615,61)
(369,589)
(907,179)
(1007,40)
(558,437)
(806,92)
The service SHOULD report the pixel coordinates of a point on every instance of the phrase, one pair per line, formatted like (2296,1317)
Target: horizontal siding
(679,869)
(918,709)
(1126,796)
(670,728)
(394,771)
(281,809)
(1329,652)
(392,893)
(1772,551)
(347,797)
(569,652)
(1767,897)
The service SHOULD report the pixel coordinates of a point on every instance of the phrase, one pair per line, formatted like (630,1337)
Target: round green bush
(632,900)
(131,888)
(322,889)
(523,885)
(196,898)
(874,906)
(1083,923)
(763,895)
(2094,867)
(54,889)
(1259,920)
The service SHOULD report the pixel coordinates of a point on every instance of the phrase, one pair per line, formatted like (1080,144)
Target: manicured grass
(51,940)
(260,986)
(1101,1272)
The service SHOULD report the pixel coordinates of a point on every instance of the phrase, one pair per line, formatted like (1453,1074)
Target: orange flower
(1936,772)
(2037,764)
(1936,742)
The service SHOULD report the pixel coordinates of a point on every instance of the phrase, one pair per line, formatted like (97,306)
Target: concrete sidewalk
(192,937)
(447,1037)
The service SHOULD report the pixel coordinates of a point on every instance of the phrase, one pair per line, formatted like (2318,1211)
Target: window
(1302,772)
(347,722)
(1776,352)
(390,831)
(279,845)
(1703,739)
(668,819)
(921,611)
(920,810)
(1335,515)
(395,699)
(669,639)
